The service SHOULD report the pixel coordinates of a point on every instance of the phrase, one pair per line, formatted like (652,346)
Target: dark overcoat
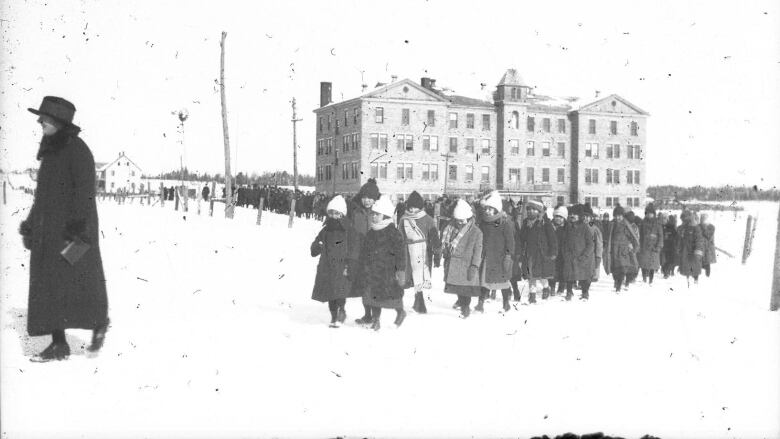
(560,237)
(690,249)
(517,269)
(538,248)
(651,242)
(382,254)
(669,250)
(578,257)
(498,242)
(619,246)
(335,245)
(61,295)
(598,250)
(428,227)
(708,233)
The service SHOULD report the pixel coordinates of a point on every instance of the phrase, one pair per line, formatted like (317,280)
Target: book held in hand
(74,251)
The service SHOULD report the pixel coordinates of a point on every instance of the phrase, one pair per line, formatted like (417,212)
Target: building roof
(511,77)
(591,105)
(466,101)
(552,102)
(104,166)
(100,165)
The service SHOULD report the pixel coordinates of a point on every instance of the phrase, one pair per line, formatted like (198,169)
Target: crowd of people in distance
(374,250)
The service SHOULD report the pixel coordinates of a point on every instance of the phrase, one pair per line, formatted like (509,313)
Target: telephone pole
(446,170)
(295,147)
(228,180)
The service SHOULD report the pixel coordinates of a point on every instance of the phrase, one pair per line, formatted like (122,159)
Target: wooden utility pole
(774,302)
(295,147)
(749,230)
(228,182)
(446,170)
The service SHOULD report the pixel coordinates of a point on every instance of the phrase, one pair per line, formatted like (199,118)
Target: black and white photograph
(414,219)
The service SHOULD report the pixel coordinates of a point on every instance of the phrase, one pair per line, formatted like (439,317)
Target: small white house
(121,174)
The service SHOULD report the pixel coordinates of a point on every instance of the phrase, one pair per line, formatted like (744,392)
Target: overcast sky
(708,72)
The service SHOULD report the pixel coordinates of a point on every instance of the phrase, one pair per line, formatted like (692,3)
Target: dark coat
(64,296)
(619,246)
(517,269)
(468,253)
(690,249)
(498,242)
(708,233)
(651,242)
(538,248)
(382,254)
(578,257)
(335,245)
(669,250)
(560,237)
(598,250)
(428,227)
(360,218)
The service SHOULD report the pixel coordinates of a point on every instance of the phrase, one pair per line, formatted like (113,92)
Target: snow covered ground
(214,335)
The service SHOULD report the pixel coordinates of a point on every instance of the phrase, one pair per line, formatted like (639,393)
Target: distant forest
(279,178)
(722,193)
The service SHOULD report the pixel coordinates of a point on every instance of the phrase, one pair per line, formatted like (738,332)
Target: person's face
(573,218)
(367,202)
(461,222)
(376,217)
(335,214)
(490,210)
(412,210)
(48,125)
(558,220)
(649,215)
(618,217)
(532,213)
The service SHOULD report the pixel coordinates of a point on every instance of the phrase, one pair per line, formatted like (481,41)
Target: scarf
(333,225)
(417,248)
(452,237)
(382,224)
(414,216)
(57,140)
(491,218)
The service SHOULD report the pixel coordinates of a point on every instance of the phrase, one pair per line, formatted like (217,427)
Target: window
(616,176)
(330,120)
(546,124)
(404,116)
(629,177)
(328,173)
(356,141)
(426,143)
(561,175)
(529,148)
(616,150)
(112,185)
(399,171)
(383,141)
(514,147)
(409,142)
(629,151)
(529,175)
(434,172)
(379,115)
(636,201)
(588,176)
(470,120)
(561,149)
(629,202)
(486,122)
(609,201)
(513,92)
(514,175)
(560,199)
(404,142)
(383,170)
(591,126)
(374,170)
(426,171)
(515,120)
(469,173)
(346,117)
(634,129)
(374,139)
(453,121)
(546,149)
(485,174)
(355,116)
(431,118)
(636,177)
(434,143)
(613,127)
(320,124)
(112,173)
(561,125)
(485,146)
(594,173)
(610,151)
(319,147)
(454,144)
(344,171)
(453,173)
(470,145)
(609,176)
(344,144)
(545,175)
(409,173)
(529,124)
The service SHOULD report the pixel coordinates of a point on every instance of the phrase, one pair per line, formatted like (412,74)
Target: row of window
(612,176)
(379,117)
(531,123)
(132,173)
(612,151)
(324,121)
(613,127)
(613,201)
(514,175)
(429,172)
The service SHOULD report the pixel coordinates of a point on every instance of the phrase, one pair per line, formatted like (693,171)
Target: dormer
(512,88)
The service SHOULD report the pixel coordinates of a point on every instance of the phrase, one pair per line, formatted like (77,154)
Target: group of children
(364,253)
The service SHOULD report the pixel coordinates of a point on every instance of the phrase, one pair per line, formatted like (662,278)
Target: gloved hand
(400,277)
(471,274)
(316,248)
(25,229)
(508,264)
(75,229)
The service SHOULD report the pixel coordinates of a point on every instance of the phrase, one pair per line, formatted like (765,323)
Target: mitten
(508,264)
(25,229)
(75,229)
(316,248)
(400,277)
(471,274)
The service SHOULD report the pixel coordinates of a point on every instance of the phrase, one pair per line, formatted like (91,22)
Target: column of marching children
(375,251)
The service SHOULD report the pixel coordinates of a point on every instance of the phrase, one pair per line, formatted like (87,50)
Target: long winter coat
(428,227)
(690,249)
(560,237)
(62,295)
(336,246)
(360,218)
(517,268)
(498,239)
(619,247)
(669,250)
(708,233)
(598,250)
(578,258)
(468,253)
(382,254)
(651,242)
(538,248)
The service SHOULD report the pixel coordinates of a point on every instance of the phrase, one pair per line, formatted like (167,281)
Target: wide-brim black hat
(57,108)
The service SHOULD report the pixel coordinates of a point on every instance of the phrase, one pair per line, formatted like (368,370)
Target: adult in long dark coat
(517,268)
(619,245)
(64,296)
(708,233)
(690,246)
(578,257)
(651,242)
(538,248)
(669,251)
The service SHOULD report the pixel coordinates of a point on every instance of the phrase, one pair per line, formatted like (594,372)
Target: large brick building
(413,136)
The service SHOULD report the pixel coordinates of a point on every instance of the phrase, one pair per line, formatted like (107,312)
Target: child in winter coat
(360,217)
(336,245)
(381,272)
(708,233)
(619,243)
(578,256)
(670,246)
(598,240)
(651,242)
(690,246)
(462,251)
(538,248)
(559,223)
(423,248)
(498,241)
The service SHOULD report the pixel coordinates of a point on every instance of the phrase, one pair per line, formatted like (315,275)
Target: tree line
(712,193)
(279,178)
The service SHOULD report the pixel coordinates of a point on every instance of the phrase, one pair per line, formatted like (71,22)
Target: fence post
(162,195)
(774,302)
(748,241)
(292,213)
(149,195)
(260,211)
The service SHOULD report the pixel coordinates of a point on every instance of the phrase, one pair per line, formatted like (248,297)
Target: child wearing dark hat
(619,244)
(359,214)
(577,252)
(651,242)
(423,247)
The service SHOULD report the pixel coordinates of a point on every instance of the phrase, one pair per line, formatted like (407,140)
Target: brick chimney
(428,83)
(325,93)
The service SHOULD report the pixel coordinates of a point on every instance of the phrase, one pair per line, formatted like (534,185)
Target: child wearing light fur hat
(462,252)
(381,273)
(337,246)
(498,241)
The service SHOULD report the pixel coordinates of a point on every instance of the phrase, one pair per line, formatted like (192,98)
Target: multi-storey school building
(413,136)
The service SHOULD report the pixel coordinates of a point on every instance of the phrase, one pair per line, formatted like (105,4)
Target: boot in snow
(366,319)
(419,301)
(531,297)
(342,314)
(480,304)
(545,293)
(457,304)
(516,295)
(400,316)
(375,313)
(569,295)
(465,311)
(505,296)
(57,350)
